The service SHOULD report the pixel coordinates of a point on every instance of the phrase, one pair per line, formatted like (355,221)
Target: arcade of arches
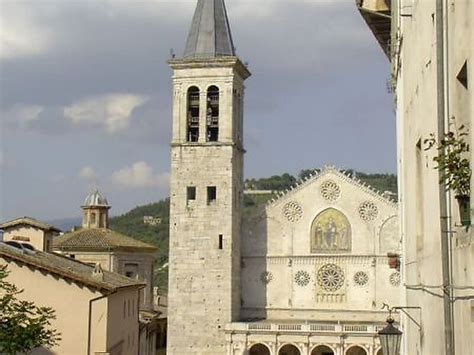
(290,349)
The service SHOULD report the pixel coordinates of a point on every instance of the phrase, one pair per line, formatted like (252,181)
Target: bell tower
(95,211)
(206,185)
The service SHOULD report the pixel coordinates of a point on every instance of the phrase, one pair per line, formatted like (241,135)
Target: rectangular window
(191,193)
(131,269)
(221,241)
(211,195)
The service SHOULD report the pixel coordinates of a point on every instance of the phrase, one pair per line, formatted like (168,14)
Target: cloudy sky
(85,96)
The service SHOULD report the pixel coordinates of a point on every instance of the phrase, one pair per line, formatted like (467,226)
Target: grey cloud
(317,94)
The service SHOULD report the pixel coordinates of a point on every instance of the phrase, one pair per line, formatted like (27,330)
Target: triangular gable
(336,174)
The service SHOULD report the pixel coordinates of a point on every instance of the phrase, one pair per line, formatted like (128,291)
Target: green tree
(23,325)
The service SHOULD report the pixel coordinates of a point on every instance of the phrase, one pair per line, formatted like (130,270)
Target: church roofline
(342,175)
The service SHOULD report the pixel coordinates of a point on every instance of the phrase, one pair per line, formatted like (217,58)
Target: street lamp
(390,338)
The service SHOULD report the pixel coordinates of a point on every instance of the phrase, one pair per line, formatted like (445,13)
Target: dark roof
(28,221)
(209,36)
(67,268)
(100,239)
(377,15)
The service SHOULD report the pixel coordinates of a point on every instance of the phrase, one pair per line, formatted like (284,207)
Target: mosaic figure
(330,232)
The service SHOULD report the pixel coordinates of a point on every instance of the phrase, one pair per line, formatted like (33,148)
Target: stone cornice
(204,63)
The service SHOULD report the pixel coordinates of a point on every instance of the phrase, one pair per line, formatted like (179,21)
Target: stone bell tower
(206,185)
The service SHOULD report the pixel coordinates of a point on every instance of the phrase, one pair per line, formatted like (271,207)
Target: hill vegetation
(132,224)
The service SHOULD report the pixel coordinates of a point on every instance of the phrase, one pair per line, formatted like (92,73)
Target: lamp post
(390,338)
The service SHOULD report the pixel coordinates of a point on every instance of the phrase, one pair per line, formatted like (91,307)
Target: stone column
(202,114)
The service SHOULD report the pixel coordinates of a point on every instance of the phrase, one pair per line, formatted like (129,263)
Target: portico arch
(259,349)
(379,352)
(322,350)
(289,349)
(356,350)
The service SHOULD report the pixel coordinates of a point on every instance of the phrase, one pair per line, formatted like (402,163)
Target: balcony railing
(266,327)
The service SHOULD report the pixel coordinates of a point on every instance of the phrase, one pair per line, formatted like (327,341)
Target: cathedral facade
(307,273)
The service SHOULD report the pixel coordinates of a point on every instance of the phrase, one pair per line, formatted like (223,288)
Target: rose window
(330,277)
(368,211)
(330,191)
(302,278)
(293,211)
(361,278)
(395,279)
(266,277)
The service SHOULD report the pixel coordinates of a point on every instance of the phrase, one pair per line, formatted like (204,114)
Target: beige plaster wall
(116,261)
(416,95)
(122,319)
(109,329)
(38,238)
(70,302)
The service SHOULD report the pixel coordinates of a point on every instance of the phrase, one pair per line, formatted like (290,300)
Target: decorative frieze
(330,191)
(395,279)
(266,277)
(368,211)
(293,211)
(320,260)
(302,278)
(330,277)
(361,278)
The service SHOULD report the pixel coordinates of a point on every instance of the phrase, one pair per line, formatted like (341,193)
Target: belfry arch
(193,114)
(212,114)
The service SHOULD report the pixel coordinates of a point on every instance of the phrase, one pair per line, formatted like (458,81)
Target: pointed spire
(210,35)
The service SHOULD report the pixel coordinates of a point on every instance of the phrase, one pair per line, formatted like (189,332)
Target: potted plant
(453,162)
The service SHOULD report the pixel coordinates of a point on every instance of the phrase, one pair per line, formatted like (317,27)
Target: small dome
(95,199)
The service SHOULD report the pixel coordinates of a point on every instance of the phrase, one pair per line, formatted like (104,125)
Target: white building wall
(280,270)
(416,94)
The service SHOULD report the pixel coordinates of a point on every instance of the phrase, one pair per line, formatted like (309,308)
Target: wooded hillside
(132,222)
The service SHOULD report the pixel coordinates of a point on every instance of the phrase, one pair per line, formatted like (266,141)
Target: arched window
(322,350)
(193,114)
(259,349)
(93,218)
(212,114)
(289,349)
(330,232)
(356,350)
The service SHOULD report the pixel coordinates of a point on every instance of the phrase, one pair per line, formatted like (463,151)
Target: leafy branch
(23,325)
(452,159)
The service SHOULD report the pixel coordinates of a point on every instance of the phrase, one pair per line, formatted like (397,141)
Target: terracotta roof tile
(67,268)
(103,239)
(30,222)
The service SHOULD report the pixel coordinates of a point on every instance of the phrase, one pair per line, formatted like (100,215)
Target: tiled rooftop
(67,268)
(100,239)
(29,221)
